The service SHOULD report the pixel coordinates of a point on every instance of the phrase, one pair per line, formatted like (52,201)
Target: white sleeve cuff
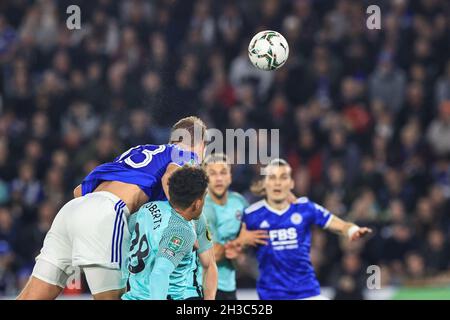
(327,224)
(351,231)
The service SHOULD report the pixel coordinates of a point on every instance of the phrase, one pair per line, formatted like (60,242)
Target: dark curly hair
(186,185)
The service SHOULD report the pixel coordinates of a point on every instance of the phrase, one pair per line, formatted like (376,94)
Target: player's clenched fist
(358,232)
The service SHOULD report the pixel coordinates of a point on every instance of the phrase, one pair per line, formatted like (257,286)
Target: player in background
(91,230)
(285,269)
(164,236)
(223,210)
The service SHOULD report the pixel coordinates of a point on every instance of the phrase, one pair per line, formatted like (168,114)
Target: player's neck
(184,214)
(219,200)
(280,206)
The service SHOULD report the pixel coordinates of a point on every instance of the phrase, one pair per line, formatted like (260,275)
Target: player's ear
(198,204)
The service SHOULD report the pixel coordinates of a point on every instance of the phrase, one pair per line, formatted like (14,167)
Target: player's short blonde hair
(216,158)
(194,126)
(278,162)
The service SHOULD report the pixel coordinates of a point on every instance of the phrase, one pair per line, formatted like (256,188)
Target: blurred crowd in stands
(364,115)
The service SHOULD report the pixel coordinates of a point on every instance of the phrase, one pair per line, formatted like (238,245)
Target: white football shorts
(90,232)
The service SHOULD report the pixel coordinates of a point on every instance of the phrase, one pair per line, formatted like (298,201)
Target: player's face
(278,183)
(219,175)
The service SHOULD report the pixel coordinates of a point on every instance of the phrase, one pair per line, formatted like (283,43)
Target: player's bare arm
(219,252)
(210,274)
(247,238)
(347,229)
(251,238)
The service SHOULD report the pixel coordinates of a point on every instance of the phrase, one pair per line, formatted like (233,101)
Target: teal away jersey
(158,231)
(187,285)
(224,222)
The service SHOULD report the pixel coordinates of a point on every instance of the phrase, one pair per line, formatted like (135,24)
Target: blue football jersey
(143,166)
(285,269)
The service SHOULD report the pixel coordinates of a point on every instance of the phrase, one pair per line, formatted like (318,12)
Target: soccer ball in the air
(268,50)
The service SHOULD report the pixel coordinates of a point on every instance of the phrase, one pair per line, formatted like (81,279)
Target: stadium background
(364,117)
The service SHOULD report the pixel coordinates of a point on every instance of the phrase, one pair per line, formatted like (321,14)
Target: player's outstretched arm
(210,274)
(347,229)
(77,191)
(160,277)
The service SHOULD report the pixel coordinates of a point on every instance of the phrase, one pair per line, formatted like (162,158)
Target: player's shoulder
(305,202)
(180,228)
(158,204)
(176,221)
(177,148)
(201,220)
(208,208)
(308,205)
(154,151)
(209,202)
(154,147)
(152,206)
(180,156)
(255,207)
(238,197)
(200,223)
(171,146)
(302,200)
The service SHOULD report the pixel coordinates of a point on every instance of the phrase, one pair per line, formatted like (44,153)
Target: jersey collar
(276,211)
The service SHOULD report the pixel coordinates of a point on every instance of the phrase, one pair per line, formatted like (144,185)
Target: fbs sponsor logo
(284,239)
(288,234)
